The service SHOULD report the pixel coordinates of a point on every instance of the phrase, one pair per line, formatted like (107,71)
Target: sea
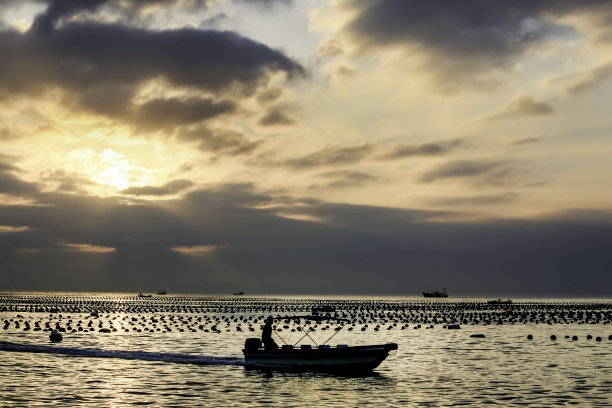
(122,350)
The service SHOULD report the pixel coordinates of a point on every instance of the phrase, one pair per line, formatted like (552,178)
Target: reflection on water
(432,367)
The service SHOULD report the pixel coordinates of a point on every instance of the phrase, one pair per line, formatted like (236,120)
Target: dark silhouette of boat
(321,358)
(144,296)
(500,302)
(238,293)
(323,309)
(435,294)
(162,292)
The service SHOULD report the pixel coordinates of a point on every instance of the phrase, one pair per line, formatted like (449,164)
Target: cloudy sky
(311,146)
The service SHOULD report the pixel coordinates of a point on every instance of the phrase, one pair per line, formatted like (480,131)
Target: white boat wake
(126,355)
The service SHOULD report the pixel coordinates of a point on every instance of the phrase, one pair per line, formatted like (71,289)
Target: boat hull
(500,302)
(434,295)
(357,359)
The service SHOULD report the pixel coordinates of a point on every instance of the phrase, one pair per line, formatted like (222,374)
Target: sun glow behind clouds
(117,171)
(113,169)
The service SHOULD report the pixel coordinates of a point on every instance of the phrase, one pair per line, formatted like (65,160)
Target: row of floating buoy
(56,337)
(424,312)
(216,323)
(573,338)
(107,314)
(401,319)
(207,323)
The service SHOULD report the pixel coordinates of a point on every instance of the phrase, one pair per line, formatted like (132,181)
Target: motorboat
(318,357)
(435,294)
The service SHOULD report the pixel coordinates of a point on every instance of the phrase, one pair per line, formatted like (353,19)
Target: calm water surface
(433,367)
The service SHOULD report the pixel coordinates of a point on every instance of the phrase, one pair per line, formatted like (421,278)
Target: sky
(379,147)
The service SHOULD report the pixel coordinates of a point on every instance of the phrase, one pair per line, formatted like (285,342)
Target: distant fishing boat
(435,294)
(162,292)
(144,296)
(500,302)
(238,293)
(323,357)
(323,309)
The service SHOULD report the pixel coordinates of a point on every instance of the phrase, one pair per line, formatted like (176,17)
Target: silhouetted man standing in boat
(266,335)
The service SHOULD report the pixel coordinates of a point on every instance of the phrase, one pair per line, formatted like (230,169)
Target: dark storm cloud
(423,149)
(171,187)
(462,38)
(63,9)
(89,54)
(220,141)
(154,114)
(110,100)
(168,113)
(350,249)
(100,67)
(480,171)
(56,9)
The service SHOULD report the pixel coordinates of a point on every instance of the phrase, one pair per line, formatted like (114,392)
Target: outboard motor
(252,343)
(55,336)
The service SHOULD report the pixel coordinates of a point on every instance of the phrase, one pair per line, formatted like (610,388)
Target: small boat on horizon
(435,294)
(238,293)
(320,358)
(162,292)
(323,309)
(144,296)
(500,302)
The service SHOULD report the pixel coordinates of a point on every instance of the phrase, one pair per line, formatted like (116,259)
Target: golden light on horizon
(9,229)
(97,249)
(196,250)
